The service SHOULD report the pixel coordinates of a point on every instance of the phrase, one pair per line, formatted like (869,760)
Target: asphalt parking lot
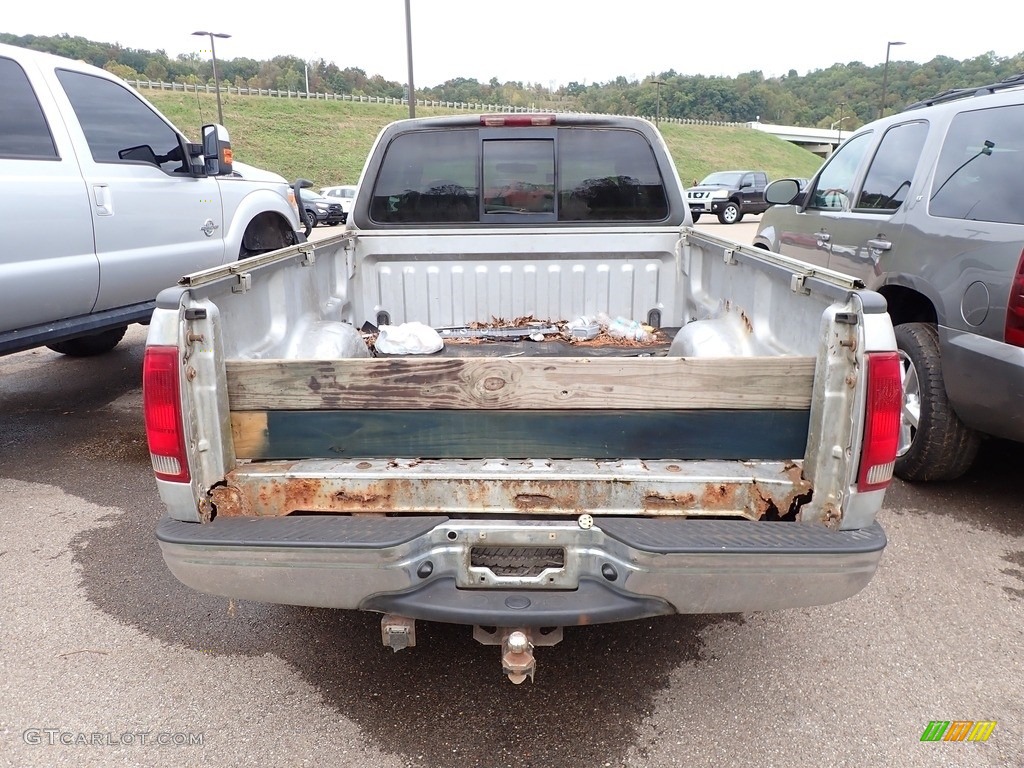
(108,660)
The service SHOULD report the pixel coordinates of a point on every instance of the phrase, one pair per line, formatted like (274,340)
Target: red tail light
(881,421)
(161,402)
(517,120)
(1014,332)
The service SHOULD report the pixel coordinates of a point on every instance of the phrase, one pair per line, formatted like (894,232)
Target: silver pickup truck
(105,203)
(586,411)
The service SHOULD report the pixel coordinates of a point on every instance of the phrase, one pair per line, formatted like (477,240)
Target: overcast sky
(551,42)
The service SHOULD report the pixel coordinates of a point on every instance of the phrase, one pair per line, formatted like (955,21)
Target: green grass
(700,149)
(327,141)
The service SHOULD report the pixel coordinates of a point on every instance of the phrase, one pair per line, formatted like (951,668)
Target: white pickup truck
(626,417)
(105,203)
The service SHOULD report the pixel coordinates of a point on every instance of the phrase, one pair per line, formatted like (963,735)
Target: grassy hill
(327,141)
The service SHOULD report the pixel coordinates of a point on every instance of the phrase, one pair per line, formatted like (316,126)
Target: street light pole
(885,74)
(839,132)
(216,80)
(408,53)
(657,107)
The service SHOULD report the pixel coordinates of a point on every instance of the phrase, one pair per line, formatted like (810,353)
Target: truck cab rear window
(608,175)
(518,176)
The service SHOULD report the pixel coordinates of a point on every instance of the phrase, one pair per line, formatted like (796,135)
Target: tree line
(846,95)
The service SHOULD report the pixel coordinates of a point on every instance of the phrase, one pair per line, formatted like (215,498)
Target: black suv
(729,195)
(318,209)
(927,208)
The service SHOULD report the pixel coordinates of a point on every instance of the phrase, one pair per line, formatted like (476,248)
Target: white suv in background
(344,194)
(105,203)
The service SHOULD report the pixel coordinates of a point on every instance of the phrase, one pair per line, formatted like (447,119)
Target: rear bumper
(620,569)
(984,380)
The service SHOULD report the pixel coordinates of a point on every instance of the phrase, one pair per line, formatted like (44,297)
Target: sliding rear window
(511,176)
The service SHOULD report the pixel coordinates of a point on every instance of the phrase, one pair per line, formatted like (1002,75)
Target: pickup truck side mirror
(295,198)
(217,150)
(142,153)
(297,185)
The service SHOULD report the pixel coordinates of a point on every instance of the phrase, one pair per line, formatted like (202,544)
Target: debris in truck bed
(409,339)
(584,331)
(506,333)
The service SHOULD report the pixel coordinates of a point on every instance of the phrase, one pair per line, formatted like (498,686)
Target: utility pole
(216,80)
(657,107)
(408,53)
(885,74)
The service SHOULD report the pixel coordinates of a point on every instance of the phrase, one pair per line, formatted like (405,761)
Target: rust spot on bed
(533,501)
(719,496)
(657,501)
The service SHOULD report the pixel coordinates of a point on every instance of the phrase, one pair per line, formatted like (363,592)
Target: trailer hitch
(517,644)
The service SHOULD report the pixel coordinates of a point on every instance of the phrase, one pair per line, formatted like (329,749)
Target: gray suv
(927,208)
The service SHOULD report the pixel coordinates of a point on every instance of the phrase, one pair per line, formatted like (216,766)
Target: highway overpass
(820,141)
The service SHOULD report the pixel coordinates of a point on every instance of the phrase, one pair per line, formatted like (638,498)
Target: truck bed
(518,480)
(709,419)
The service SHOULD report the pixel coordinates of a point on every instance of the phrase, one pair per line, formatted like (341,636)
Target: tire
(265,234)
(333,223)
(87,346)
(696,216)
(934,444)
(310,221)
(731,214)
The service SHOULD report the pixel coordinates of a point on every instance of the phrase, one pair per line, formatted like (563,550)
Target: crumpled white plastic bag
(413,338)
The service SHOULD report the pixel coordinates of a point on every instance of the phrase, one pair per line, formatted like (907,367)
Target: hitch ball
(517,658)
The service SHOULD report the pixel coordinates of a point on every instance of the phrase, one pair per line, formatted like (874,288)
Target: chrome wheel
(933,443)
(910,414)
(730,214)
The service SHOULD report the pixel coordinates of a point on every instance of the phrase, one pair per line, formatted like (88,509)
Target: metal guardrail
(458,105)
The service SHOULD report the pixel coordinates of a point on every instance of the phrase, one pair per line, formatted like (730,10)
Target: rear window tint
(24,133)
(980,172)
(474,176)
(608,175)
(428,177)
